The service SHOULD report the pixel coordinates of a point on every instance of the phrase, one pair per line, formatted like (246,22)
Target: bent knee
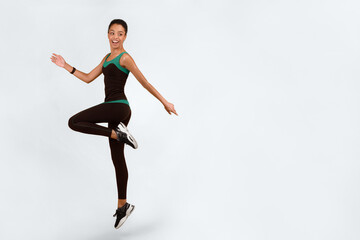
(71,123)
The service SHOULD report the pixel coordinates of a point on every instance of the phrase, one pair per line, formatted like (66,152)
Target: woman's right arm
(85,77)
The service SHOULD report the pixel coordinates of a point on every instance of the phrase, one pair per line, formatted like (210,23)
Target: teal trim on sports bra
(118,101)
(116,62)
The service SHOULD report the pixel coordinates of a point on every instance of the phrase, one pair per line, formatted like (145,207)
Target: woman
(115,110)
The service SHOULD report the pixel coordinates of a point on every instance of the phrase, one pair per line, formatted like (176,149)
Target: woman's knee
(71,123)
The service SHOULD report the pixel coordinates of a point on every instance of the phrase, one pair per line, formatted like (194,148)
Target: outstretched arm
(129,63)
(85,77)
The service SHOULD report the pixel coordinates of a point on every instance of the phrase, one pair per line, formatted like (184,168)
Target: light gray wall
(265,145)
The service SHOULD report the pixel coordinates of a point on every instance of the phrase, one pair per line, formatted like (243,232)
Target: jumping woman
(115,110)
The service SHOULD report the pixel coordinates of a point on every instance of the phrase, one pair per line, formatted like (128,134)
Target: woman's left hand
(169,107)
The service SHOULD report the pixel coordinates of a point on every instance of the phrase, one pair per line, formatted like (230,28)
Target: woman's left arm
(129,64)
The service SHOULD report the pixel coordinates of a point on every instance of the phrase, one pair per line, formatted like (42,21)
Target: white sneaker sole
(129,136)
(128,212)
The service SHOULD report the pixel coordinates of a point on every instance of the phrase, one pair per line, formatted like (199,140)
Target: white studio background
(265,145)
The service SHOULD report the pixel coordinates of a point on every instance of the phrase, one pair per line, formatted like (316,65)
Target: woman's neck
(117,51)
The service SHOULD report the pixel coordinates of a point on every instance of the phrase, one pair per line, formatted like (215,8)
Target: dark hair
(121,22)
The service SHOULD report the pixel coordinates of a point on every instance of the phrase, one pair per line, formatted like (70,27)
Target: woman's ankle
(121,202)
(113,134)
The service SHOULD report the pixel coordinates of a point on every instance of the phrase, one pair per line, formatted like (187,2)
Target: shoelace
(118,211)
(121,134)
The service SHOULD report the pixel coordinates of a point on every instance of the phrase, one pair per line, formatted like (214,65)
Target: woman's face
(116,36)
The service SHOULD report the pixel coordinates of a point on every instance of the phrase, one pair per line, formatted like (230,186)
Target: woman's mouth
(115,42)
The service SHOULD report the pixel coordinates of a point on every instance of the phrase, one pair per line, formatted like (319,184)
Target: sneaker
(123,135)
(122,214)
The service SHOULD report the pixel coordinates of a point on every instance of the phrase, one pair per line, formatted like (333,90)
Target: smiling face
(116,36)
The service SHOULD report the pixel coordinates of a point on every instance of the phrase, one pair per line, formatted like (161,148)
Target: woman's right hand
(58,60)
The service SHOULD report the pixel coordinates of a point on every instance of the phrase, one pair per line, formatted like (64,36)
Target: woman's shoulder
(126,56)
(126,53)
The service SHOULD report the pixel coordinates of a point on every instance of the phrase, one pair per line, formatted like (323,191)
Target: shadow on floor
(135,231)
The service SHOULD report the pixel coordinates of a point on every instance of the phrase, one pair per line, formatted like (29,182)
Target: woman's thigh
(106,112)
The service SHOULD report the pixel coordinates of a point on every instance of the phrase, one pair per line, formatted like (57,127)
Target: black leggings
(112,113)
